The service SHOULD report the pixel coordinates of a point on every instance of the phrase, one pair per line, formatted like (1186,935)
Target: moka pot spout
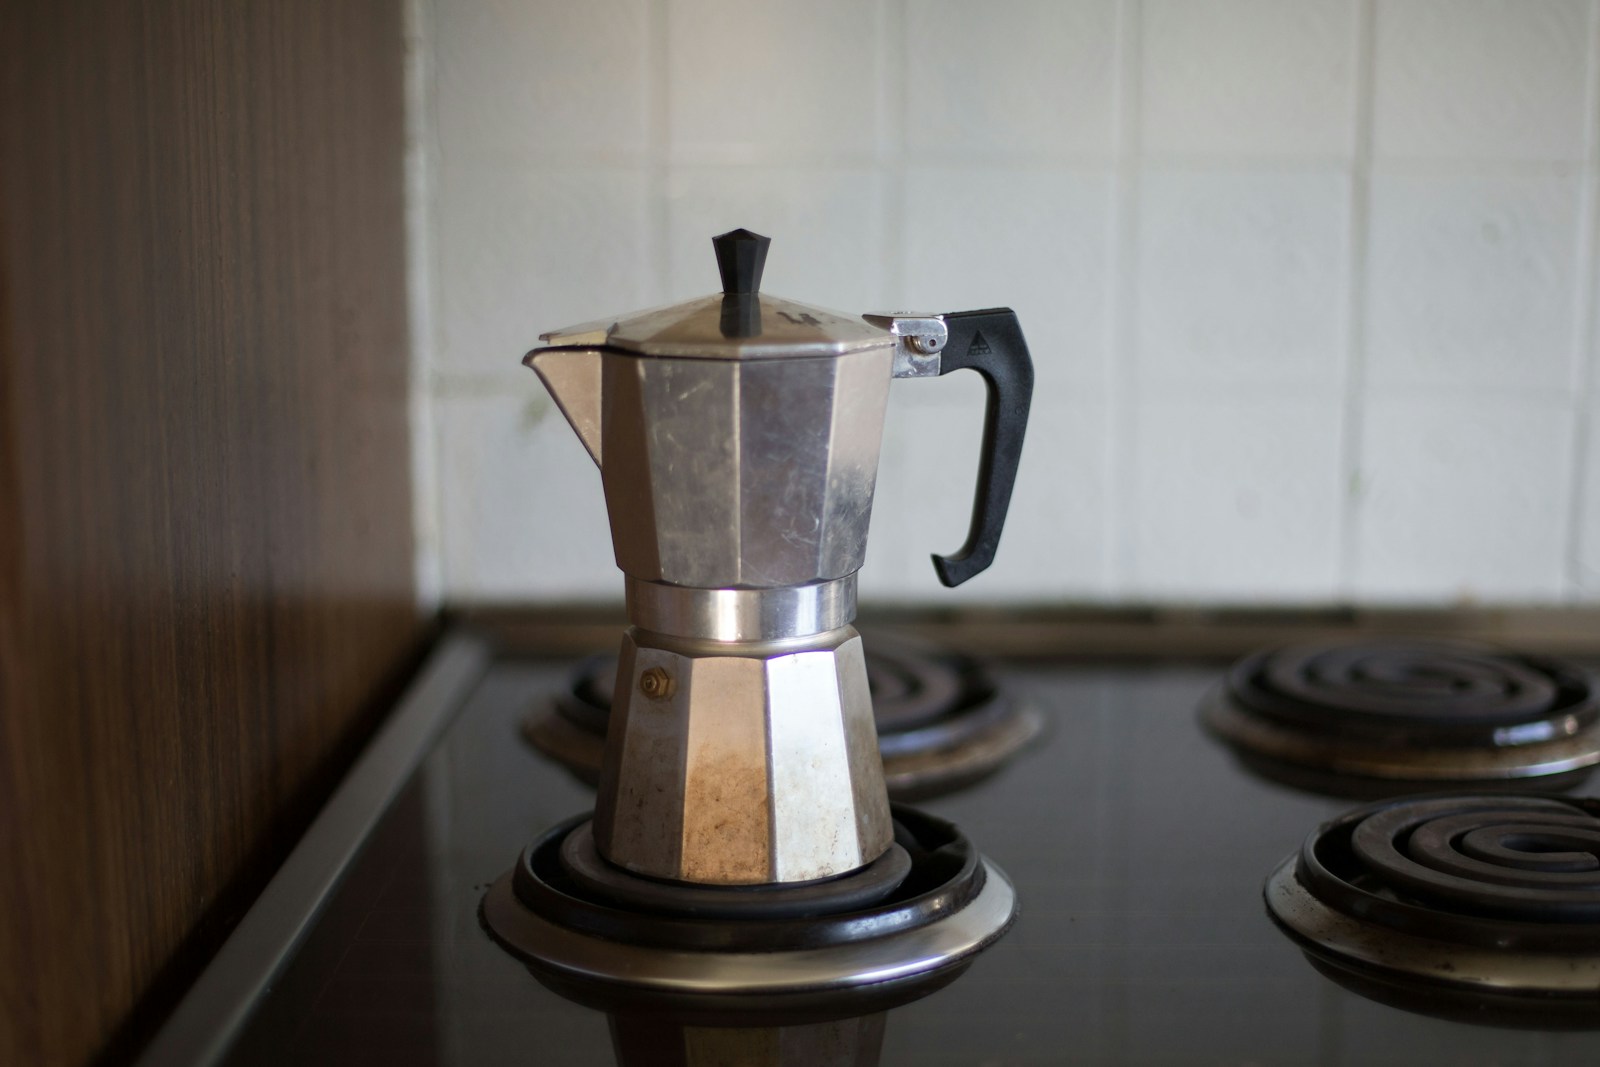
(573,377)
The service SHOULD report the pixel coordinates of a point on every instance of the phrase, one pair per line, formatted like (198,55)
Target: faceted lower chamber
(739,770)
(944,721)
(1382,716)
(914,910)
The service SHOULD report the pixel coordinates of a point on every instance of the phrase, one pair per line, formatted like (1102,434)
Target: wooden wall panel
(205,544)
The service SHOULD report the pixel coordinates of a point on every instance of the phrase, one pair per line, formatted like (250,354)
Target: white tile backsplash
(1462,501)
(1038,242)
(1056,541)
(1481,79)
(1586,552)
(1310,284)
(1010,79)
(831,222)
(522,252)
(516,81)
(1236,498)
(1248,77)
(1242,278)
(524,514)
(1472,281)
(750,80)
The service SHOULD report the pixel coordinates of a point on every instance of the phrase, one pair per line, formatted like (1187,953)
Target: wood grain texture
(205,544)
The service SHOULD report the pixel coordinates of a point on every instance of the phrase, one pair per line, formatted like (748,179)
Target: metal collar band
(742,614)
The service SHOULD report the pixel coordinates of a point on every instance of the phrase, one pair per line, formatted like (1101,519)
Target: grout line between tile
(1586,327)
(539,160)
(1353,409)
(419,167)
(893,109)
(658,123)
(1121,422)
(890,512)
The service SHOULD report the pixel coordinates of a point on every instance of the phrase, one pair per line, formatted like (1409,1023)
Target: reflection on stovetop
(1138,848)
(817,1030)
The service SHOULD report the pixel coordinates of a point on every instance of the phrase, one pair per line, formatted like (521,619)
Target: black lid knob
(740,257)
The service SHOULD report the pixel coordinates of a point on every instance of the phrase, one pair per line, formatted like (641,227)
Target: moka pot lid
(736,324)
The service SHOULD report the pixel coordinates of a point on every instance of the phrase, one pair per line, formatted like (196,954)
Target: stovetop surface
(1137,844)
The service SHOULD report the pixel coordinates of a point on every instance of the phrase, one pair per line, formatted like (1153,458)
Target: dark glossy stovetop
(1137,844)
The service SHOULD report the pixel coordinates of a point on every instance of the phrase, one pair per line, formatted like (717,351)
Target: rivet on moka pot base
(742,814)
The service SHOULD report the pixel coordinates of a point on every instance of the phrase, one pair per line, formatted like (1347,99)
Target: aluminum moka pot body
(738,437)
(750,474)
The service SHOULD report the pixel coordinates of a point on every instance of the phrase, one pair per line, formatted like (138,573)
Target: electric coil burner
(1484,908)
(912,919)
(944,721)
(1374,718)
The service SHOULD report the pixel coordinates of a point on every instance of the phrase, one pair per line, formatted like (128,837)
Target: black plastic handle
(990,342)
